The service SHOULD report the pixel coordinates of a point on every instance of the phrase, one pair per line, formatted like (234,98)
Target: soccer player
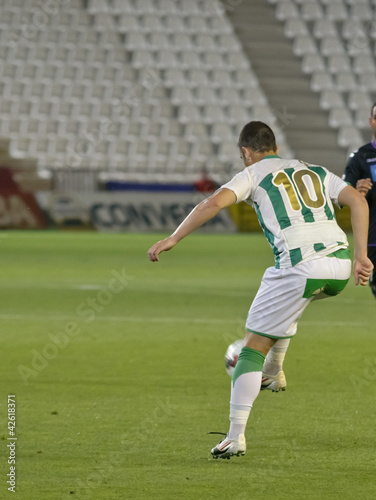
(361,173)
(293,202)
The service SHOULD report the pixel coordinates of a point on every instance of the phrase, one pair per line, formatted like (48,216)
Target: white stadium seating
(334,41)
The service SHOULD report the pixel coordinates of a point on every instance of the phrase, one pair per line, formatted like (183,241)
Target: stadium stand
(144,88)
(156,89)
(334,41)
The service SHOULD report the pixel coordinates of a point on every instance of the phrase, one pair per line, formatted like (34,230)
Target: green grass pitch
(118,371)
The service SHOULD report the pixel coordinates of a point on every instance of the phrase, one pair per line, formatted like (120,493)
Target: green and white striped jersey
(294,205)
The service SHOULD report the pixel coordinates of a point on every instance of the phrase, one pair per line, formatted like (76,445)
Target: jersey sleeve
(353,169)
(241,185)
(335,185)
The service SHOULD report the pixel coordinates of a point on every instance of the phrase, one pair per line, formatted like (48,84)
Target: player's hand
(362,271)
(363,186)
(161,246)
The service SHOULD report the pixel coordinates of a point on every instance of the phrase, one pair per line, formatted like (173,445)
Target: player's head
(372,118)
(256,139)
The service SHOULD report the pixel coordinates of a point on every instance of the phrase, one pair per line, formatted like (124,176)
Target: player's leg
(245,387)
(269,313)
(273,376)
(246,381)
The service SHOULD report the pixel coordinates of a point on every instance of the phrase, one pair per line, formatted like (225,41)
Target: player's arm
(354,175)
(202,213)
(359,221)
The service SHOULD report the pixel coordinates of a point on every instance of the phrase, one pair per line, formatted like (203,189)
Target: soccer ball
(231,356)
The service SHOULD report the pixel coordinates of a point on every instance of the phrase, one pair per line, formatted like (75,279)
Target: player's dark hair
(257,136)
(373,106)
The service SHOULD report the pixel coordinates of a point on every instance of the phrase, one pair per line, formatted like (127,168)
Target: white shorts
(285,293)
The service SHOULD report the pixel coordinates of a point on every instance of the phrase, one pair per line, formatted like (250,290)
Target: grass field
(117,368)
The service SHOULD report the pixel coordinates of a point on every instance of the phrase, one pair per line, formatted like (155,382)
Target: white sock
(275,357)
(243,393)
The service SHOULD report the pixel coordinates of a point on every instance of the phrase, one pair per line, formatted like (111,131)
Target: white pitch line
(134,288)
(166,319)
(116,319)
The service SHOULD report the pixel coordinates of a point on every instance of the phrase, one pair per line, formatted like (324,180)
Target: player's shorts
(285,293)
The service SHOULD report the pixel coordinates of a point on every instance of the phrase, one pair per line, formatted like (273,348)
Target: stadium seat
(352,28)
(221,78)
(136,41)
(324,28)
(189,113)
(195,130)
(362,115)
(237,61)
(174,77)
(313,62)
(183,41)
(182,95)
(108,40)
(245,79)
(336,11)
(151,23)
(362,63)
(286,10)
(213,113)
(338,64)
(128,23)
(142,58)
(104,21)
(122,7)
(219,24)
(196,24)
(190,59)
(311,10)
(206,95)
(367,81)
(228,43)
(221,132)
(144,6)
(95,6)
(304,45)
(213,60)
(167,6)
(229,96)
(339,117)
(321,80)
(160,41)
(331,45)
(358,99)
(359,45)
(198,78)
(202,150)
(238,115)
(174,24)
(227,152)
(331,99)
(167,59)
(253,96)
(361,11)
(349,137)
(190,9)
(294,27)
(346,82)
(264,113)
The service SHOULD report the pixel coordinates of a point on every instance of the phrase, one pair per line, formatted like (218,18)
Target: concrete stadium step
(286,87)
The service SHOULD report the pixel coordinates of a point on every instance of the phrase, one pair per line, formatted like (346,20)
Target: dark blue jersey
(362,165)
